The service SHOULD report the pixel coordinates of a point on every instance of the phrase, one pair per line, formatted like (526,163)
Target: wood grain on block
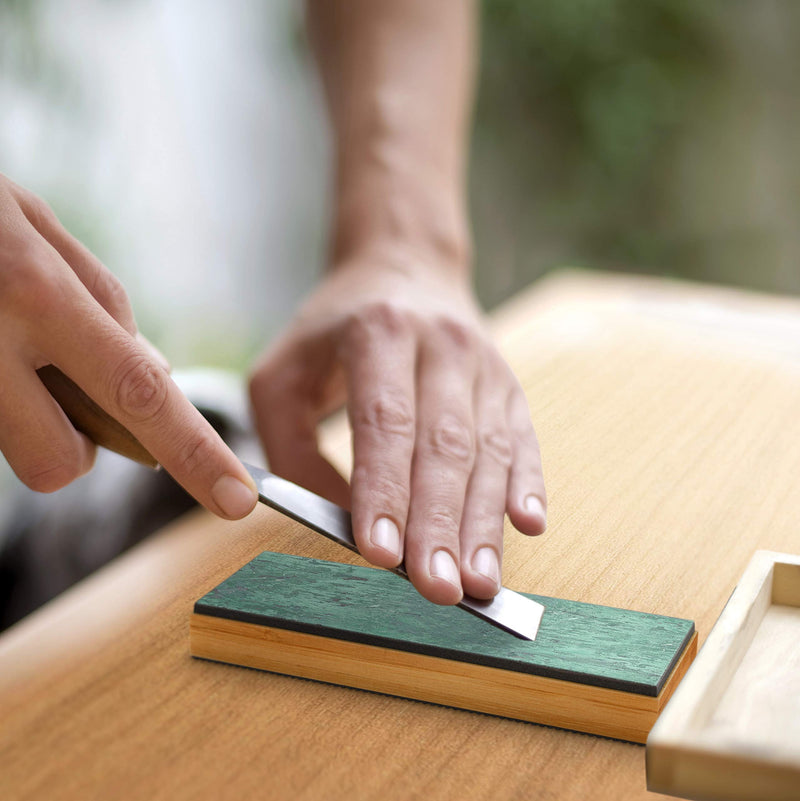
(732,731)
(592,668)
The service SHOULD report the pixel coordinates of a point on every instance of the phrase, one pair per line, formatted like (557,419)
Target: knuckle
(26,282)
(274,381)
(457,334)
(388,413)
(198,453)
(450,438)
(496,443)
(382,488)
(109,292)
(444,518)
(37,210)
(141,388)
(379,317)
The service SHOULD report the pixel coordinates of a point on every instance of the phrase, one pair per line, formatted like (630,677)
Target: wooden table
(669,417)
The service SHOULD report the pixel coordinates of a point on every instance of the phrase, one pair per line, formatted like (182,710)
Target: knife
(508,610)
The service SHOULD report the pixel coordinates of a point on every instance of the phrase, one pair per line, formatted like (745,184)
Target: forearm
(398,77)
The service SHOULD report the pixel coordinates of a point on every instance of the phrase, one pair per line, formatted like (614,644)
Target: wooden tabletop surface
(669,418)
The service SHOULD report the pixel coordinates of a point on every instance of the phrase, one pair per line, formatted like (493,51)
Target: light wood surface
(732,730)
(668,421)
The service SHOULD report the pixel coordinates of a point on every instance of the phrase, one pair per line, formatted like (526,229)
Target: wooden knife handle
(90,419)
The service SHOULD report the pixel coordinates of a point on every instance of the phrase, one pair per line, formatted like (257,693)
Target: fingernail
(443,566)
(234,497)
(533,506)
(485,562)
(386,535)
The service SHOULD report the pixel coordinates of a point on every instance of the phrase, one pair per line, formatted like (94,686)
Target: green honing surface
(598,645)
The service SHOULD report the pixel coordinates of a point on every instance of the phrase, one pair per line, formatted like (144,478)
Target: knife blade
(508,610)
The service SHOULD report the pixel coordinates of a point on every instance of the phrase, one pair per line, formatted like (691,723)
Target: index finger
(123,377)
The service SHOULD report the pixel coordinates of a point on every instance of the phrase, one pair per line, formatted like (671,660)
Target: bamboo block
(592,668)
(732,731)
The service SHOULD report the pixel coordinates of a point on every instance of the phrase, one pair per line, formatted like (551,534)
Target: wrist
(391,207)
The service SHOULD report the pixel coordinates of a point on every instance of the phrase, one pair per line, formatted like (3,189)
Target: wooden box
(732,729)
(592,668)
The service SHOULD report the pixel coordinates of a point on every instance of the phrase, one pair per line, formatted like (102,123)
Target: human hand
(59,305)
(442,438)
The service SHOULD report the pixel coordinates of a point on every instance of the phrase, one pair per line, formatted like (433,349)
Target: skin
(59,305)
(442,438)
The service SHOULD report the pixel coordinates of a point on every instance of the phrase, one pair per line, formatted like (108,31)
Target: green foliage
(579,105)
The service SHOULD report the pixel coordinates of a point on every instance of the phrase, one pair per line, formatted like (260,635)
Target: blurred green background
(657,137)
(184,142)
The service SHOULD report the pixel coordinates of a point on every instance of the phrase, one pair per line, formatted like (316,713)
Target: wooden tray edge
(679,762)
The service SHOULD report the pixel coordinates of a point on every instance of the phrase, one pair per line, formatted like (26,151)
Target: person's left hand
(442,438)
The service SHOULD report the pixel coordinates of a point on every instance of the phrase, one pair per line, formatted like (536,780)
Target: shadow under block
(732,730)
(592,668)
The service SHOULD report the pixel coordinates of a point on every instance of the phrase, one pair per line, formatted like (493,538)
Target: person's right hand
(59,305)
